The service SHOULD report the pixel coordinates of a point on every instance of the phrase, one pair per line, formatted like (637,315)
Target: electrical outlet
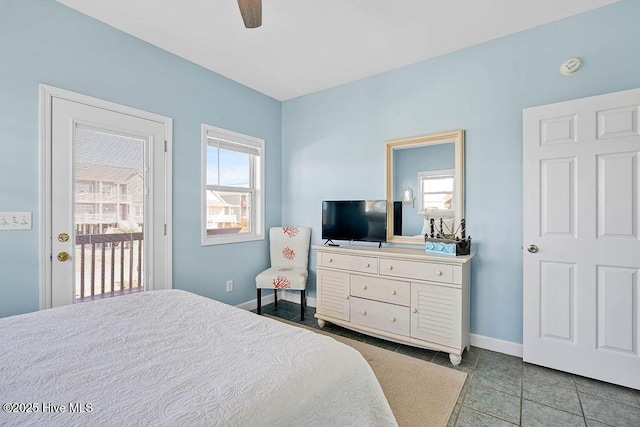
(15,220)
(229,285)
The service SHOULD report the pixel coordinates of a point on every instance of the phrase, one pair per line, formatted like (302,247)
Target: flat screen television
(357,220)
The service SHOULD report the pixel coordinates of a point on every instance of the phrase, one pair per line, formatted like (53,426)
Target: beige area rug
(419,393)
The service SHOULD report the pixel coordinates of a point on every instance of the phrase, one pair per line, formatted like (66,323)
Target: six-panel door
(581,214)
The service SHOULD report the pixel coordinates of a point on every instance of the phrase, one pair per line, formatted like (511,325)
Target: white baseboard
(481,341)
(494,344)
(253,304)
(294,296)
(283,295)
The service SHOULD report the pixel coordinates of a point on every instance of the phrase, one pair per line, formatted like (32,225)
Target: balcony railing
(96,218)
(221,218)
(103,197)
(110,264)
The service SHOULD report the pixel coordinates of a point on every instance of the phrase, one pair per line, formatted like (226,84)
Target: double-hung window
(437,190)
(233,187)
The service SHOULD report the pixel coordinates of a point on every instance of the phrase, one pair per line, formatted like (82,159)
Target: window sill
(230,238)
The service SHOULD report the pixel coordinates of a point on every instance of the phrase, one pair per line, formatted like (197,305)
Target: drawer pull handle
(415,310)
(438,273)
(346,297)
(364,287)
(364,313)
(393,292)
(367,265)
(390,267)
(330,260)
(393,319)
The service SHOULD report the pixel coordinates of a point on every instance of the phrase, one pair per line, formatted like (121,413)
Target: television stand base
(329,242)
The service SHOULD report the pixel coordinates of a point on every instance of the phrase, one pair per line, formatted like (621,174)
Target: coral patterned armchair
(289,251)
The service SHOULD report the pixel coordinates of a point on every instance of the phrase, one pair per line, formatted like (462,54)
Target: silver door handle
(532,248)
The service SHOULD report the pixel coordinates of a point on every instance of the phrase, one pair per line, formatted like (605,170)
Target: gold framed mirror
(432,166)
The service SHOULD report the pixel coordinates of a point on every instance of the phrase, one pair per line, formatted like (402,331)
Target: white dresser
(399,294)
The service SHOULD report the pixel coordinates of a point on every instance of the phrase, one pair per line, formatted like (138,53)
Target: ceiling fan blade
(251,11)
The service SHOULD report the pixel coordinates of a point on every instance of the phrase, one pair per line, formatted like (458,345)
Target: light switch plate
(15,221)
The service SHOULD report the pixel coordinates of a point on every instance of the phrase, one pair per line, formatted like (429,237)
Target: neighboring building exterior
(225,211)
(108,197)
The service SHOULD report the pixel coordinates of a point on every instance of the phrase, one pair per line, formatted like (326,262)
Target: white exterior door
(107,201)
(581,243)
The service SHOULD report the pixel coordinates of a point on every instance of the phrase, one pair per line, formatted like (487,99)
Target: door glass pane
(109,214)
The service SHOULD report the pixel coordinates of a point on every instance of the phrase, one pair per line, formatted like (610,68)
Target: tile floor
(502,390)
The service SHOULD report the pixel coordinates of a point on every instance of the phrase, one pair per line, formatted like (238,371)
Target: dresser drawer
(377,288)
(380,315)
(416,270)
(362,264)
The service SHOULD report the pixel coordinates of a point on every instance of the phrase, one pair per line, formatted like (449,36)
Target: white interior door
(582,249)
(108,203)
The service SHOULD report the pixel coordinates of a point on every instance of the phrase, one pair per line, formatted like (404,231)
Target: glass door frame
(162,244)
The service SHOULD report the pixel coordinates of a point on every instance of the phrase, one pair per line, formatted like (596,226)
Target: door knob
(63,256)
(532,248)
(63,237)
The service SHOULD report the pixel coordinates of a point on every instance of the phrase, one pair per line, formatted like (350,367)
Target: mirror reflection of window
(437,191)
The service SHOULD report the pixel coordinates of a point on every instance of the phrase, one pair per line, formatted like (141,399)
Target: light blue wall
(333,141)
(42,41)
(407,164)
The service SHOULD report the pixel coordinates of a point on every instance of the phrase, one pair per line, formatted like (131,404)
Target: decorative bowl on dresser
(398,294)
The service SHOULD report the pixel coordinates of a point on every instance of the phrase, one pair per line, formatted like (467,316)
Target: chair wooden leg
(302,304)
(275,297)
(259,299)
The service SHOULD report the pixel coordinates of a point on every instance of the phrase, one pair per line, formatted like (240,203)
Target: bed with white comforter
(174,358)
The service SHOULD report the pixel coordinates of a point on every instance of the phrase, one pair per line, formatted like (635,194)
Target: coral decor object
(290,231)
(281,282)
(288,253)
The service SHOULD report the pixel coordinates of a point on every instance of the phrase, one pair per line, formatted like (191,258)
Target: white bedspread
(175,358)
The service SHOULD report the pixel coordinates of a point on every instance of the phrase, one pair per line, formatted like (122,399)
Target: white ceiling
(305,46)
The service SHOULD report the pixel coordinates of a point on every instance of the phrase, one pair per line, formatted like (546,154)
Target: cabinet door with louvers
(333,293)
(436,313)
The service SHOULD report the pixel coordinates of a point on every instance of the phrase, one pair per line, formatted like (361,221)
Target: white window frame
(257,176)
(426,175)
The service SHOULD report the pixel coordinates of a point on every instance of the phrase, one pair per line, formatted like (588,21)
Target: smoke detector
(570,66)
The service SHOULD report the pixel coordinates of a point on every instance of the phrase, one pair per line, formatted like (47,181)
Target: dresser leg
(455,359)
(321,323)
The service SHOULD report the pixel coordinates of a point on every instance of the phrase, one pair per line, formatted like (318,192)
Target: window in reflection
(436,191)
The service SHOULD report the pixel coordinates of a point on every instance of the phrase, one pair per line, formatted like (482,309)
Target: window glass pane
(107,188)
(234,169)
(228,212)
(437,201)
(437,184)
(84,187)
